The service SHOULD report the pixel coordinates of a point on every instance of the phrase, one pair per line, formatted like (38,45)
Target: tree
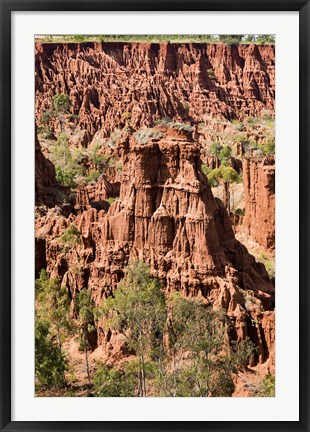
(68,162)
(112,382)
(71,238)
(181,345)
(138,311)
(226,175)
(53,306)
(201,362)
(50,361)
(224,155)
(215,148)
(61,104)
(85,309)
(268,147)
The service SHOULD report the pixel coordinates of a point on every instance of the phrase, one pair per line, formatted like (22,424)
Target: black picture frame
(7,7)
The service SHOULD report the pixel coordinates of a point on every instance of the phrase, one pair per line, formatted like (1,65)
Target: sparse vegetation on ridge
(227,39)
(143,136)
(174,125)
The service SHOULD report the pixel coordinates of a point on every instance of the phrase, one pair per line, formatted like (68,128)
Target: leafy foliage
(71,237)
(267,387)
(86,312)
(138,307)
(67,166)
(50,362)
(174,125)
(196,360)
(61,103)
(53,324)
(224,173)
(205,169)
(215,148)
(268,148)
(111,382)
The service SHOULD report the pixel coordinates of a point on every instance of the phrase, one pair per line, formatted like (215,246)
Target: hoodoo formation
(149,128)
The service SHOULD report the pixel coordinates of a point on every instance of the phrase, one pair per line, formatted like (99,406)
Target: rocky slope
(112,85)
(167,216)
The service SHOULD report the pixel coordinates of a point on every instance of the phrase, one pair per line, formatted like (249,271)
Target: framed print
(154,215)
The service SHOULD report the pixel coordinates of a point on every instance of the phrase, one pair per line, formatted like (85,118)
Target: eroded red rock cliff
(161,208)
(111,84)
(259,198)
(167,216)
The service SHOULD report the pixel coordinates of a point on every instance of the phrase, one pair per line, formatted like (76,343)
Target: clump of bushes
(143,136)
(111,200)
(240,212)
(267,387)
(70,238)
(268,263)
(174,125)
(268,148)
(92,176)
(211,73)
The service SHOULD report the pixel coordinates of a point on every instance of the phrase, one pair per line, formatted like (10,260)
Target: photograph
(155,165)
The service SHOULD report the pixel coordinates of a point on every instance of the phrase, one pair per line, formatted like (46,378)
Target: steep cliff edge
(115,84)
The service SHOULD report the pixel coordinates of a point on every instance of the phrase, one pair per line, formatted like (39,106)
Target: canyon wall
(259,198)
(167,216)
(112,85)
(162,209)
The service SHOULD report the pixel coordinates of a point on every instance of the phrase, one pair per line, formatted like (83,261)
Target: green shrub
(224,155)
(240,212)
(46,117)
(268,148)
(268,263)
(111,200)
(50,362)
(45,132)
(110,382)
(174,125)
(119,166)
(205,169)
(66,177)
(71,237)
(267,387)
(210,73)
(92,176)
(215,148)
